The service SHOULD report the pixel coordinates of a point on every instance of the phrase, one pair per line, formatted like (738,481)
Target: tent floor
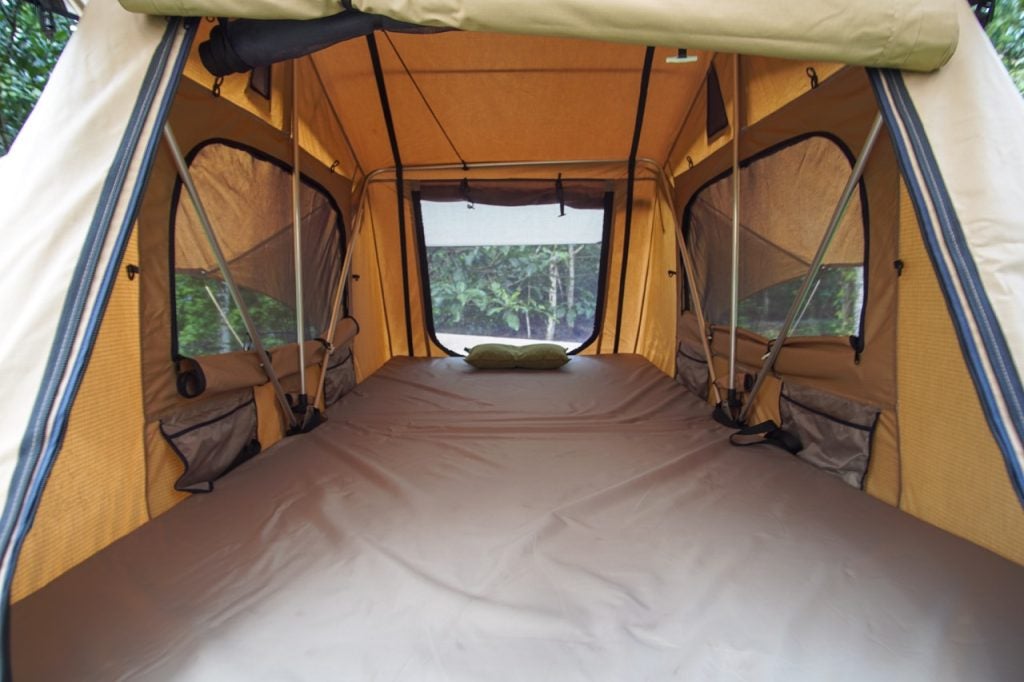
(585,524)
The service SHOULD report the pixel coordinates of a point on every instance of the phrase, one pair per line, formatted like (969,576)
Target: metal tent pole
(224,317)
(375,175)
(300,332)
(222,264)
(803,296)
(339,292)
(691,281)
(734,290)
(698,310)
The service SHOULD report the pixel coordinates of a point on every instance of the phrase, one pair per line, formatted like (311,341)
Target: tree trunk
(570,291)
(226,342)
(529,301)
(552,296)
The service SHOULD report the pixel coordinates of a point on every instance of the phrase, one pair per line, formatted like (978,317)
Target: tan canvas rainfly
(427,495)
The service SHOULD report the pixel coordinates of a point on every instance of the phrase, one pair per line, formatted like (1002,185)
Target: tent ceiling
(507,98)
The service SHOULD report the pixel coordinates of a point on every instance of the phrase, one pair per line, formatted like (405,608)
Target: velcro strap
(767,433)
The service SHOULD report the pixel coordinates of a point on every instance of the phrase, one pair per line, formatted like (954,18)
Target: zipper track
(998,386)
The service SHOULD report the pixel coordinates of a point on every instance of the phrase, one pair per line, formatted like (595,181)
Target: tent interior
(589,522)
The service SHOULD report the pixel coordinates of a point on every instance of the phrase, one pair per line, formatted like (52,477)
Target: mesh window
(249,201)
(515,264)
(787,199)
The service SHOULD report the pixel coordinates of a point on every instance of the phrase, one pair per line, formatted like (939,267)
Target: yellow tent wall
(508,99)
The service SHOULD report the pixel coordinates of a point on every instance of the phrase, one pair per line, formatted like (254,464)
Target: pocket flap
(212,438)
(836,432)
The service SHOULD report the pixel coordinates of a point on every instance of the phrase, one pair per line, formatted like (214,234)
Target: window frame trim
(608,206)
(856,341)
(260,155)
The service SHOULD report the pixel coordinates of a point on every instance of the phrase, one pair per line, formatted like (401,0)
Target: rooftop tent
(328,216)
(897,34)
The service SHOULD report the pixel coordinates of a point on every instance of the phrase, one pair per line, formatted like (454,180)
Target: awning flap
(903,34)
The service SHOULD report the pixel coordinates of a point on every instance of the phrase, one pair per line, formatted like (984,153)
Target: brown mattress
(590,523)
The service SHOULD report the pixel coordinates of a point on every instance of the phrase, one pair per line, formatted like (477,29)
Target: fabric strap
(767,433)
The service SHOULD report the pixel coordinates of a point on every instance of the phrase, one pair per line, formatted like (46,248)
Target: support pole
(691,280)
(698,310)
(803,296)
(224,317)
(229,280)
(734,287)
(300,322)
(339,293)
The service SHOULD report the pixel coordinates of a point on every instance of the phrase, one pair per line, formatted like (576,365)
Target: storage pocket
(340,379)
(836,432)
(692,371)
(212,438)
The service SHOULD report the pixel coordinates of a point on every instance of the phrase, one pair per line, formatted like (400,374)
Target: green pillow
(504,356)
(492,356)
(541,356)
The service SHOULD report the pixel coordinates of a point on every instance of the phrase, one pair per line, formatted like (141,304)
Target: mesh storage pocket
(340,379)
(692,371)
(212,438)
(836,432)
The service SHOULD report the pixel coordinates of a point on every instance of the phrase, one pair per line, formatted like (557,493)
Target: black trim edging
(638,126)
(389,121)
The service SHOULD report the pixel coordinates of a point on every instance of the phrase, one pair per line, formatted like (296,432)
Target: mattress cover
(589,523)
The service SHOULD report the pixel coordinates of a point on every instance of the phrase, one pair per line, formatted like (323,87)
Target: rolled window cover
(236,9)
(344,332)
(286,358)
(212,374)
(902,34)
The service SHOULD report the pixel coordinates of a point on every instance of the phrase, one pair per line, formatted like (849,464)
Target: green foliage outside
(1007,33)
(209,323)
(525,292)
(27,56)
(493,291)
(834,308)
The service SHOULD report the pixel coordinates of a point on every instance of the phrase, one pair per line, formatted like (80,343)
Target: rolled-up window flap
(344,332)
(286,358)
(213,374)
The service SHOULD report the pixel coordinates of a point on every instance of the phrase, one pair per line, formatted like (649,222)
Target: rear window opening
(513,274)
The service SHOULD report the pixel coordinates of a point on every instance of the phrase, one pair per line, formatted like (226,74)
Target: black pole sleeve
(382,90)
(641,106)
